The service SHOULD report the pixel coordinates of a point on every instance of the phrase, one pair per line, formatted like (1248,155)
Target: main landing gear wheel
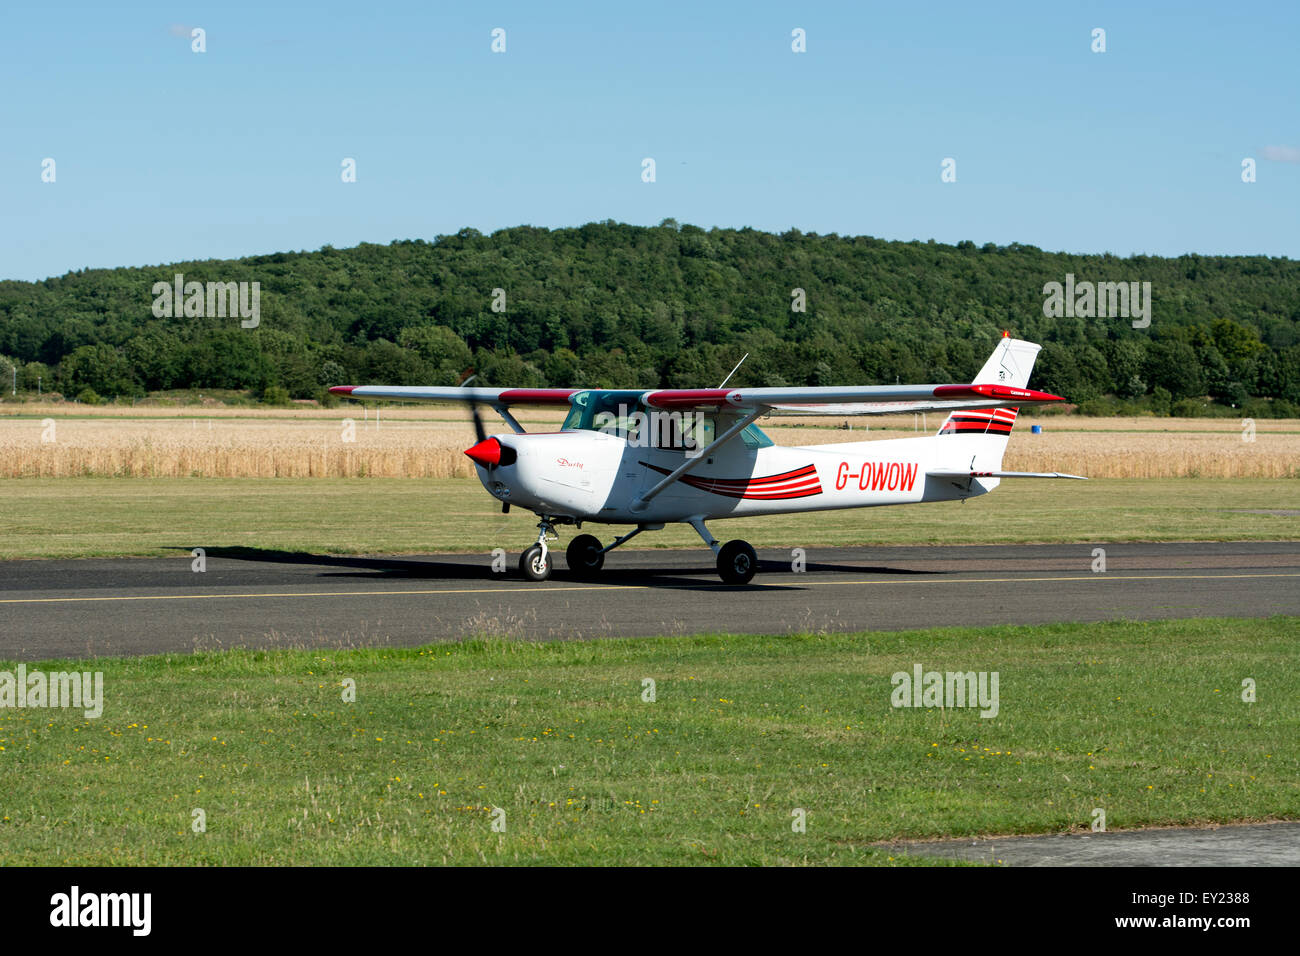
(737,562)
(584,554)
(535,564)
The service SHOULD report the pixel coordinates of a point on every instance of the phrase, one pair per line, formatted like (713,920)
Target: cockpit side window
(623,414)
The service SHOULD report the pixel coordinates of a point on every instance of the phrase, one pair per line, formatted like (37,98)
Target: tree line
(614,305)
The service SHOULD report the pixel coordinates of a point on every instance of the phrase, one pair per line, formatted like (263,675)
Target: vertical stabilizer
(982,433)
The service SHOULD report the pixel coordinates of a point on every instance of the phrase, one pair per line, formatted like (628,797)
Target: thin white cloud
(1281,154)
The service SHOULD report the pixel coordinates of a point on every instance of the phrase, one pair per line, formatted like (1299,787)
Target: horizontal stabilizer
(1004,474)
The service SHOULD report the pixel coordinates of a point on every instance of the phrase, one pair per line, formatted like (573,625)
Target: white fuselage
(592,476)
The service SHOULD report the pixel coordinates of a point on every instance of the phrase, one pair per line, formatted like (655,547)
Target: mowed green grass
(72,517)
(1144,720)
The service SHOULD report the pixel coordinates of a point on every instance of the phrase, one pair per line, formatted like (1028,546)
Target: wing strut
(510,419)
(642,500)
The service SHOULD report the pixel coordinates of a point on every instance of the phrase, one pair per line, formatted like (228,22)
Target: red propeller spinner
(490,453)
(486,453)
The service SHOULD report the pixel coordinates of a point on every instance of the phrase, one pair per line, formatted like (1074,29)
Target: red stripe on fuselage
(753,482)
(798,483)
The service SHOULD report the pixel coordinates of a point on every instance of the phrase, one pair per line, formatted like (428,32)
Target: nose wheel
(535,563)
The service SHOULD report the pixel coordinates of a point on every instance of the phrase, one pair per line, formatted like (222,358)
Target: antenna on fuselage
(733,371)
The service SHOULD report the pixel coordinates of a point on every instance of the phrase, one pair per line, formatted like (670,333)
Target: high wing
(833,400)
(850,400)
(483,396)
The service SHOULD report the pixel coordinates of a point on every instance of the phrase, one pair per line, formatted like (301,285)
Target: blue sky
(167,155)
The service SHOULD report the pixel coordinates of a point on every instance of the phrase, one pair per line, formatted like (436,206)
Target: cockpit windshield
(595,410)
(622,413)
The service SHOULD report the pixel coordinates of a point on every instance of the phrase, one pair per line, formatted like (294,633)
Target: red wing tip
(995,391)
(342,389)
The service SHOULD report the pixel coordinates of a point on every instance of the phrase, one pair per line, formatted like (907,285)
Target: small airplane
(646,458)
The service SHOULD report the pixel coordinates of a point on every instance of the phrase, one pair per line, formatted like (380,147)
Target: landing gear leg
(737,561)
(702,530)
(535,563)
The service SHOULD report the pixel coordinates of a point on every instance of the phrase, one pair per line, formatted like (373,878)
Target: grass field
(50,518)
(427,443)
(1143,720)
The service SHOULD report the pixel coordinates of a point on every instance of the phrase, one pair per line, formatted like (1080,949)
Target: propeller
(485,451)
(480,433)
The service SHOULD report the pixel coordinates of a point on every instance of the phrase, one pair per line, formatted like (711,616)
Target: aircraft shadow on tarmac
(473,568)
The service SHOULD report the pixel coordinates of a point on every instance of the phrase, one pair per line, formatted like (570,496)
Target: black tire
(737,562)
(531,566)
(584,554)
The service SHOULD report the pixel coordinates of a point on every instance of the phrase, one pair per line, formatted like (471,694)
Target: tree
(441,349)
(35,376)
(331,373)
(101,368)
(564,370)
(507,370)
(389,364)
(1235,342)
(157,359)
(1124,360)
(227,358)
(1173,366)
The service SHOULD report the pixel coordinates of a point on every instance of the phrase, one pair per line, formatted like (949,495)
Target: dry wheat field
(427,443)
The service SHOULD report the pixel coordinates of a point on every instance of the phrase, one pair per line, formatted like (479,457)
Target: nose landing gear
(535,563)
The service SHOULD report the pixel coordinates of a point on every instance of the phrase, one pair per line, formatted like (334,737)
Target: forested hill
(616,305)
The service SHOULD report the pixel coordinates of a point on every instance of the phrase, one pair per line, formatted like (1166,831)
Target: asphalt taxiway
(255,598)
(1262,844)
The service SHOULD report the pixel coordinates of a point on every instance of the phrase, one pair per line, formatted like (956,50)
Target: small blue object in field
(1036,429)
